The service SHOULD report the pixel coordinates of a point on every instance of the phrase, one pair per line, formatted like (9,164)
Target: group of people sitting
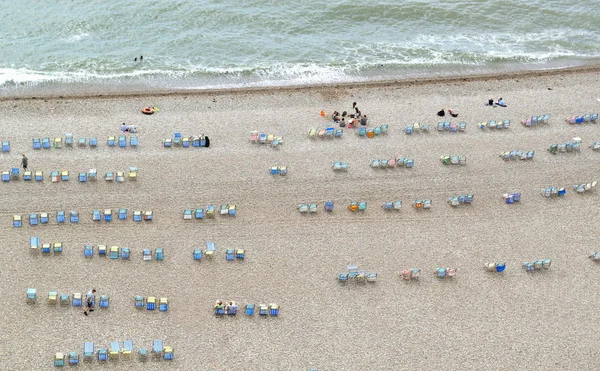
(351,120)
(128,128)
(442,113)
(500,102)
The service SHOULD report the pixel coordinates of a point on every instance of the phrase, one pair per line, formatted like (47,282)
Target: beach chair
(229,255)
(163,305)
(15,173)
(46,143)
(17,221)
(409,130)
(232,210)
(58,142)
(249,309)
(210,211)
(159,254)
(107,215)
(120,177)
(219,308)
(69,139)
(223,209)
(495,267)
(362,132)
(167,143)
(39,176)
(96,216)
(143,354)
(33,219)
(104,302)
(338,133)
(197,254)
(302,208)
(82,142)
(148,215)
(82,177)
(31,296)
(59,359)
(127,348)
(93,142)
(52,297)
(115,350)
(263,310)
(157,348)
(102,354)
(133,141)
(60,216)
(122,141)
(343,277)
(46,248)
(122,214)
(168,354)
(273,310)
(210,249)
(73,359)
(254,136)
(111,141)
(410,274)
(101,250)
(57,247)
(177,138)
(133,173)
(312,208)
(109,176)
(240,254)
(199,213)
(147,255)
(376,163)
(64,300)
(88,251)
(6,176)
(64,175)
(28,175)
(37,143)
(139,301)
(88,351)
(5,146)
(187,214)
(125,253)
(113,252)
(328,205)
(137,216)
(77,300)
(74,217)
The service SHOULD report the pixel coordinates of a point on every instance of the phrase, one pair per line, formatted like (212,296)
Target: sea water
(73,46)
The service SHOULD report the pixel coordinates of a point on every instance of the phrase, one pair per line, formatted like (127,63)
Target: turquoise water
(73,45)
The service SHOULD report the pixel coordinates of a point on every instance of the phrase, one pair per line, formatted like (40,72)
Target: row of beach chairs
(393,162)
(586,187)
(231,308)
(184,141)
(116,252)
(312,207)
(493,124)
(210,211)
(114,352)
(111,141)
(357,275)
(46,248)
(264,138)
(453,160)
(75,300)
(65,175)
(61,217)
(230,254)
(536,120)
(328,132)
(397,205)
(150,303)
(517,155)
(570,146)
(593,118)
(461,200)
(371,133)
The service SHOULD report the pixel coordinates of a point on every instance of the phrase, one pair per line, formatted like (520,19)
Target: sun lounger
(148,215)
(77,300)
(73,358)
(59,359)
(263,310)
(111,141)
(495,267)
(33,219)
(125,253)
(163,305)
(147,255)
(17,222)
(159,254)
(210,249)
(27,175)
(410,274)
(340,166)
(102,354)
(31,296)
(127,348)
(88,351)
(101,250)
(88,251)
(328,206)
(157,348)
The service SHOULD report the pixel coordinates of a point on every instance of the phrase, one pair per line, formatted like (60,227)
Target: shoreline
(408,82)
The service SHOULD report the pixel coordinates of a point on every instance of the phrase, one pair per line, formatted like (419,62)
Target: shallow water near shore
(57,48)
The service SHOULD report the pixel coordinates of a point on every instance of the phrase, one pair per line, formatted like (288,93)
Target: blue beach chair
(187,214)
(33,219)
(108,215)
(64,175)
(60,216)
(177,138)
(17,221)
(157,348)
(44,218)
(96,216)
(6,176)
(37,143)
(82,142)
(46,143)
(73,358)
(93,142)
(122,215)
(122,141)
(82,177)
(199,213)
(77,300)
(273,310)
(88,251)
(31,295)
(229,255)
(27,175)
(102,354)
(101,250)
(39,176)
(115,350)
(133,141)
(113,252)
(139,301)
(210,249)
(88,351)
(240,254)
(5,146)
(249,309)
(46,248)
(34,242)
(196,142)
(104,302)
(185,142)
(15,173)
(151,303)
(159,254)
(125,253)
(163,305)
(168,354)
(57,247)
(111,141)
(197,254)
(69,139)
(263,310)
(59,360)
(74,217)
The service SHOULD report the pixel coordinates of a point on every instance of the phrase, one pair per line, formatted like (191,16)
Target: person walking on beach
(24,161)
(90,298)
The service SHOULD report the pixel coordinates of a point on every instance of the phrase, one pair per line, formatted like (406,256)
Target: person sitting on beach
(124,128)
(335,116)
(452,113)
(441,112)
(344,114)
(343,123)
(501,102)
(363,120)
(131,128)
(490,102)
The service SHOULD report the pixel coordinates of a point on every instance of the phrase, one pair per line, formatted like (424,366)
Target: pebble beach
(477,320)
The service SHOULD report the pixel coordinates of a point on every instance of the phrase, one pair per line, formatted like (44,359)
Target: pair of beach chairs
(554,192)
(229,307)
(595,146)
(278,170)
(29,175)
(340,166)
(237,254)
(495,267)
(422,204)
(582,119)
(159,254)
(445,272)
(71,359)
(461,200)
(410,274)
(36,219)
(146,216)
(150,303)
(517,155)
(493,124)
(355,206)
(536,120)
(537,265)
(371,133)
(586,187)
(13,174)
(416,128)
(453,160)
(451,127)
(568,147)
(264,138)
(392,205)
(511,198)
(310,208)
(595,255)
(328,132)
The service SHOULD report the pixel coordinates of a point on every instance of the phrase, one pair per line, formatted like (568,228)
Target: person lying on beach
(452,113)
(501,102)
(441,112)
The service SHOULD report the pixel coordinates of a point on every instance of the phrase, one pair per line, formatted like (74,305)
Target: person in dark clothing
(354,105)
(441,113)
(24,161)
(141,58)
(491,102)
(363,120)
(207,142)
(344,114)
(343,123)
(452,113)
